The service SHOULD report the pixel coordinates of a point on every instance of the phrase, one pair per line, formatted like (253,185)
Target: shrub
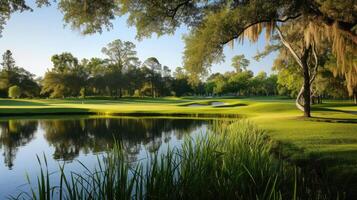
(14,92)
(82,93)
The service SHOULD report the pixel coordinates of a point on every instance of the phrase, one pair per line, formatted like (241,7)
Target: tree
(11,74)
(96,69)
(240,82)
(54,85)
(66,78)
(14,92)
(64,62)
(8,61)
(8,7)
(154,75)
(240,63)
(221,85)
(121,55)
(180,85)
(216,23)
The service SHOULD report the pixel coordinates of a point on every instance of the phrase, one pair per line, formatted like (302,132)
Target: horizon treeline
(121,73)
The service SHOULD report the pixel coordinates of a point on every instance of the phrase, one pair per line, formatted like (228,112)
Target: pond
(68,139)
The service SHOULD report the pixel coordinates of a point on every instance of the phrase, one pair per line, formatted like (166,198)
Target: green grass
(233,162)
(330,137)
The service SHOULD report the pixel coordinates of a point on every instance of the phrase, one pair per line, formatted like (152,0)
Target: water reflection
(14,134)
(70,138)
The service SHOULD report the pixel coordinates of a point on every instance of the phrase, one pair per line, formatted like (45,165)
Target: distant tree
(154,68)
(97,70)
(121,55)
(64,62)
(258,84)
(166,80)
(240,63)
(221,85)
(271,85)
(54,85)
(8,62)
(240,83)
(180,85)
(66,78)
(11,74)
(180,73)
(14,92)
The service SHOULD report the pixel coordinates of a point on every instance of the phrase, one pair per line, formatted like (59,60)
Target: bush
(82,93)
(14,92)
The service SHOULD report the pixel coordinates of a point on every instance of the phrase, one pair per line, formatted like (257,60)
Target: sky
(33,37)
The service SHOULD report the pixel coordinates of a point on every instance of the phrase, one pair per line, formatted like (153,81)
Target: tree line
(121,73)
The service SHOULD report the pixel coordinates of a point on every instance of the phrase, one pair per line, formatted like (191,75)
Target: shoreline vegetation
(233,161)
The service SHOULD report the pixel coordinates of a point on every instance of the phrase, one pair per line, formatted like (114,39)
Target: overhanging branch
(285,19)
(288,46)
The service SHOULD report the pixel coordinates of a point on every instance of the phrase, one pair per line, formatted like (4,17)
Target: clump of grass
(232,162)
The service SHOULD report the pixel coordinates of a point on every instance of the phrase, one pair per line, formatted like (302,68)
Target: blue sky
(34,37)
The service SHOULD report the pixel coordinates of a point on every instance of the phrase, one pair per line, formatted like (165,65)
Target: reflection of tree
(13,134)
(69,137)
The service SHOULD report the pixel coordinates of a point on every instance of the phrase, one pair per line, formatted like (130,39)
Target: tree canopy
(240,63)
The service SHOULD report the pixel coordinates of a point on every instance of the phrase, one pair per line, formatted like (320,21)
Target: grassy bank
(234,161)
(328,140)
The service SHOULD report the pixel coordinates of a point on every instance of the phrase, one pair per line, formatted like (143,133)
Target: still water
(68,139)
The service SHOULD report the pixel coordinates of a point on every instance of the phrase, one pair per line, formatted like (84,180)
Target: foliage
(8,61)
(242,84)
(10,75)
(240,63)
(66,78)
(14,92)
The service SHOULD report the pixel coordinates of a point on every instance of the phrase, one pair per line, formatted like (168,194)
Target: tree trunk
(303,63)
(152,88)
(355,97)
(298,101)
(307,89)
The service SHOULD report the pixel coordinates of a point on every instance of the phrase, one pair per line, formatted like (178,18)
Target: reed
(233,161)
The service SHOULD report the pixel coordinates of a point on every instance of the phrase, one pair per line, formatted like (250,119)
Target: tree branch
(175,9)
(288,46)
(285,19)
(313,75)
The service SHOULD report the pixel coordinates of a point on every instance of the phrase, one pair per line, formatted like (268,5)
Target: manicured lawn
(329,137)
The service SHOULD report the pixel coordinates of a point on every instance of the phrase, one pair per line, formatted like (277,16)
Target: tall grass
(234,161)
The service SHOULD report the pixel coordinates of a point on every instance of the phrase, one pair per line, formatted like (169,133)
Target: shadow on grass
(123,100)
(44,111)
(231,105)
(336,168)
(332,120)
(326,109)
(14,102)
